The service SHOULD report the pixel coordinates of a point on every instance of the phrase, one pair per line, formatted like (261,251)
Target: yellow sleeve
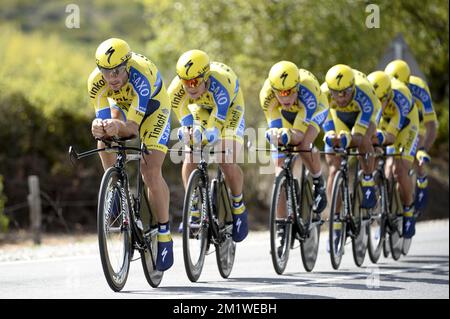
(224,89)
(422,97)
(97,91)
(179,100)
(148,85)
(269,104)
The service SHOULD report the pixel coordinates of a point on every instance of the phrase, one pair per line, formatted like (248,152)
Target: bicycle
(351,220)
(215,224)
(391,230)
(300,222)
(119,225)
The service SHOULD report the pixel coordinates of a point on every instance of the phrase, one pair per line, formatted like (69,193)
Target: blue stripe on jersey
(103,113)
(366,106)
(329,126)
(142,87)
(423,96)
(278,123)
(320,117)
(158,84)
(164,139)
(309,100)
(403,106)
(221,98)
(188,120)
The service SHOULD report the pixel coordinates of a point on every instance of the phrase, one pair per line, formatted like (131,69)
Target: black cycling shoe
(320,195)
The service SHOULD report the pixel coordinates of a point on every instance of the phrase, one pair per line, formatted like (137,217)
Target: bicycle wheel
(114,231)
(226,248)
(359,243)
(337,224)
(280,229)
(376,228)
(309,247)
(406,245)
(396,221)
(148,258)
(195,229)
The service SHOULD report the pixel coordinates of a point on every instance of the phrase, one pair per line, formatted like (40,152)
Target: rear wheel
(377,219)
(396,222)
(148,258)
(280,227)
(359,243)
(309,247)
(226,249)
(337,224)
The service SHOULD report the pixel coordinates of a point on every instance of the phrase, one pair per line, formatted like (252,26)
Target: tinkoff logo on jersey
(142,87)
(96,87)
(158,126)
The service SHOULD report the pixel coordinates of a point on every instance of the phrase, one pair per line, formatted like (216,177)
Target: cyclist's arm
(179,101)
(223,94)
(369,106)
(269,105)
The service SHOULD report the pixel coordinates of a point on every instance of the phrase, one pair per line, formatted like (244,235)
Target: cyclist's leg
(421,189)
(232,139)
(408,138)
(155,132)
(363,140)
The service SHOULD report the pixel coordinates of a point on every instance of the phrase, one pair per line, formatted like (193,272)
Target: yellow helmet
(381,83)
(340,77)
(284,75)
(398,69)
(192,64)
(111,53)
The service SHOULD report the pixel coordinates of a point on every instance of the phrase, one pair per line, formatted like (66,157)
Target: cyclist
(209,103)
(295,110)
(352,121)
(399,125)
(399,69)
(129,97)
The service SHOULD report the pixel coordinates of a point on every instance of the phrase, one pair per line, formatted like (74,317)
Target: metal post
(34,202)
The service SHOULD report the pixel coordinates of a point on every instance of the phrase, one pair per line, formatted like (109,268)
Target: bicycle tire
(395,238)
(377,229)
(194,269)
(337,251)
(115,279)
(309,246)
(279,261)
(359,243)
(226,248)
(153,276)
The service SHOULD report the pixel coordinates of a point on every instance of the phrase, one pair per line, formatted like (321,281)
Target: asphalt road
(74,271)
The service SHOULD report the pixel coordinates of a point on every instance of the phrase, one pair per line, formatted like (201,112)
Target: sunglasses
(114,72)
(193,83)
(343,92)
(285,92)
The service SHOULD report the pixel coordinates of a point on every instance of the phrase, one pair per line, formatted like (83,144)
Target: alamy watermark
(73,18)
(373,19)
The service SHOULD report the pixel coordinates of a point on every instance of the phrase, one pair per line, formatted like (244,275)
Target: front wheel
(114,229)
(280,224)
(195,227)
